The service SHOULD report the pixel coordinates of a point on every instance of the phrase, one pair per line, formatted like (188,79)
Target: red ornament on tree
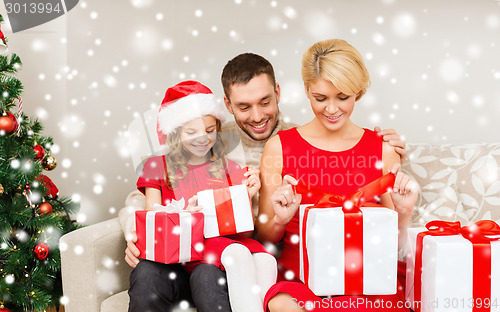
(2,37)
(44,208)
(52,190)
(41,251)
(39,151)
(2,309)
(8,123)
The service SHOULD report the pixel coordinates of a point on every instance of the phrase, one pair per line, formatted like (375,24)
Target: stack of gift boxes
(170,235)
(348,247)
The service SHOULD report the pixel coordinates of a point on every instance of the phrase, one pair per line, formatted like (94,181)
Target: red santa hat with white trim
(184,102)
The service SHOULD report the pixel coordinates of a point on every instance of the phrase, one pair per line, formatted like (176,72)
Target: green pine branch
(10,90)
(10,65)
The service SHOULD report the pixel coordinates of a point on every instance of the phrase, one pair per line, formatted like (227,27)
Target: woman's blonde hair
(177,157)
(339,62)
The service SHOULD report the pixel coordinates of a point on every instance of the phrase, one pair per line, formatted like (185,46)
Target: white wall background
(435,70)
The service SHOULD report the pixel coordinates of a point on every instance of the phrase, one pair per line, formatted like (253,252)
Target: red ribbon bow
(353,226)
(481,249)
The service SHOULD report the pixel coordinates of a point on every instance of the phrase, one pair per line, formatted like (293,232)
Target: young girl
(334,78)
(190,122)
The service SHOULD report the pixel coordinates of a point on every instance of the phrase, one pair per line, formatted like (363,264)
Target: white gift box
(227,211)
(447,280)
(325,249)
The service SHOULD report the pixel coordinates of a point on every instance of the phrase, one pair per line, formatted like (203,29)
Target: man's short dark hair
(242,68)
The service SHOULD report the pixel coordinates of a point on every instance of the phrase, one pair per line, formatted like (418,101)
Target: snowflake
(290,12)
(184,305)
(378,38)
(107,281)
(9,279)
(64,300)
(451,70)
(140,4)
(333,271)
(78,250)
(263,218)
(199,247)
(404,25)
(289,275)
(256,289)
(376,240)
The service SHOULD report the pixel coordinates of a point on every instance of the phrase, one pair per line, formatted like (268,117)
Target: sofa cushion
(458,182)
(116,303)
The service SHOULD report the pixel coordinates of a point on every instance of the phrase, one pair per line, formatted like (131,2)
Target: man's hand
(394,139)
(131,253)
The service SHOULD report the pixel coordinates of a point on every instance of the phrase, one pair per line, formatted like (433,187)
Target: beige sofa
(458,182)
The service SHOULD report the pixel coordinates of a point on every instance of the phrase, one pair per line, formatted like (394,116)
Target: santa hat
(184,102)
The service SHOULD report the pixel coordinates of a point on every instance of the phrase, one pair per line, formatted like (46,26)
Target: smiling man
(251,95)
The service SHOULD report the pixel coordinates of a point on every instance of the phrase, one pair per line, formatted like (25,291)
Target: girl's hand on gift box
(193,205)
(285,201)
(405,192)
(252,182)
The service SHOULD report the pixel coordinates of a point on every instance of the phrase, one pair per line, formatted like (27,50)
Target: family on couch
(335,77)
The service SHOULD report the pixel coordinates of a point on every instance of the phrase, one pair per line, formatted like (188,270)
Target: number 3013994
(33,8)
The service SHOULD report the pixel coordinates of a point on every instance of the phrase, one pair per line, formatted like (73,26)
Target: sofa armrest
(93,266)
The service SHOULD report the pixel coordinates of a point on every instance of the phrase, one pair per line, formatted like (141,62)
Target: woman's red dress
(334,172)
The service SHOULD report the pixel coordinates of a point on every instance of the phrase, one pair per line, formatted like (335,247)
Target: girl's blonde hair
(339,62)
(177,157)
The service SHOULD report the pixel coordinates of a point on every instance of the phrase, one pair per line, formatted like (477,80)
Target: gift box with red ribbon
(349,246)
(454,268)
(227,210)
(169,237)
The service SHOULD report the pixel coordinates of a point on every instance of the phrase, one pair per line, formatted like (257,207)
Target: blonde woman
(334,78)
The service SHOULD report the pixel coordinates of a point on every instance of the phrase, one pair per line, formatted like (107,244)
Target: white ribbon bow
(176,206)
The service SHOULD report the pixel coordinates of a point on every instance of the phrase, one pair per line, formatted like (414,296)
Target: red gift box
(227,211)
(169,237)
(227,207)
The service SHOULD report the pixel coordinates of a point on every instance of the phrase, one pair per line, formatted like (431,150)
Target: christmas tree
(32,215)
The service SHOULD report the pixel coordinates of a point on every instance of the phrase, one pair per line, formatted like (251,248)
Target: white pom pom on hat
(184,102)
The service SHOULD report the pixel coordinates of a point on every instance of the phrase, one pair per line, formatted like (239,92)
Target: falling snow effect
(436,74)
(404,25)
